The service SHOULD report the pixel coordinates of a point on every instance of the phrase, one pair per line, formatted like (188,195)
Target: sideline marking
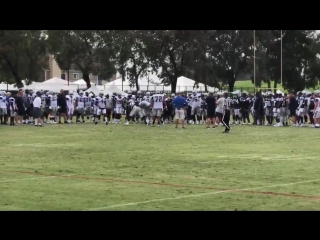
(198,195)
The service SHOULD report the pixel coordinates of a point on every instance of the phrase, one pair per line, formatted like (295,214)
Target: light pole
(281,57)
(254,57)
(148,79)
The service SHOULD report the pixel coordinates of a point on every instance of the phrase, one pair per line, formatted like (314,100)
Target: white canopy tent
(154,83)
(114,89)
(143,84)
(118,83)
(55,80)
(187,84)
(93,89)
(51,87)
(9,87)
(82,82)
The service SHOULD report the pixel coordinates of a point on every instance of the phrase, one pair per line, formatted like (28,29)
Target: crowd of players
(157,109)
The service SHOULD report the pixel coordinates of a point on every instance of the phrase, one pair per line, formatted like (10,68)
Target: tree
(201,68)
(299,51)
(23,55)
(90,51)
(132,59)
(230,51)
(169,53)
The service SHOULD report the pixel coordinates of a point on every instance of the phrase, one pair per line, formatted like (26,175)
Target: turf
(116,167)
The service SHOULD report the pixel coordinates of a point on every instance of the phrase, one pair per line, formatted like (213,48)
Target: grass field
(116,167)
(248,86)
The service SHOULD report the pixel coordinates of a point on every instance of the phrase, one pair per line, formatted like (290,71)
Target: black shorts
(21,112)
(36,112)
(219,115)
(292,112)
(30,112)
(211,113)
(62,110)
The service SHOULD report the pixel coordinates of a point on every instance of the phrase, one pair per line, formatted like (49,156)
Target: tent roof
(51,87)
(82,82)
(93,89)
(113,88)
(56,81)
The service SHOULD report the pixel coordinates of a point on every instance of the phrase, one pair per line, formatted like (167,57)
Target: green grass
(247,85)
(116,167)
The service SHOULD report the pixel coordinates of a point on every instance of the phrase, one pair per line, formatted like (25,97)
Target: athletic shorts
(179,114)
(211,113)
(36,112)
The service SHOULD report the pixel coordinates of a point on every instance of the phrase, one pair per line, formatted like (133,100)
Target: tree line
(215,58)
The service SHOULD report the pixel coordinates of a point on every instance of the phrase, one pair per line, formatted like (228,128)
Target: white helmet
(173,95)
(70,92)
(80,92)
(148,94)
(90,95)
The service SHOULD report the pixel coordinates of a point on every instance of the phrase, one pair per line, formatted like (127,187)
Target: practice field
(116,167)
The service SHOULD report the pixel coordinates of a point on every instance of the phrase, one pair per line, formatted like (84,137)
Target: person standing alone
(179,103)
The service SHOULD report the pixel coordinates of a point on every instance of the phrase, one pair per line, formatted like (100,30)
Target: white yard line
(69,175)
(198,195)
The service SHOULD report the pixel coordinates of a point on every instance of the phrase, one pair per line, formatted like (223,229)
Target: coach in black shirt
(211,109)
(258,109)
(62,105)
(293,105)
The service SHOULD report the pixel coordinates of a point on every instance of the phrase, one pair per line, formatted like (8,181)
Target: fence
(167,89)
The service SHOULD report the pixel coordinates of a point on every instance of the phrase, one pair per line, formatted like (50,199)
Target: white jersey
(131,102)
(118,102)
(158,101)
(80,101)
(53,101)
(147,98)
(317,101)
(100,103)
(72,98)
(87,101)
(301,100)
(3,102)
(196,101)
(69,101)
(43,100)
(12,103)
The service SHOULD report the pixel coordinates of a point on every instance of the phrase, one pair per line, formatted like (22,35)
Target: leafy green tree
(23,55)
(90,51)
(132,59)
(230,51)
(299,67)
(169,52)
